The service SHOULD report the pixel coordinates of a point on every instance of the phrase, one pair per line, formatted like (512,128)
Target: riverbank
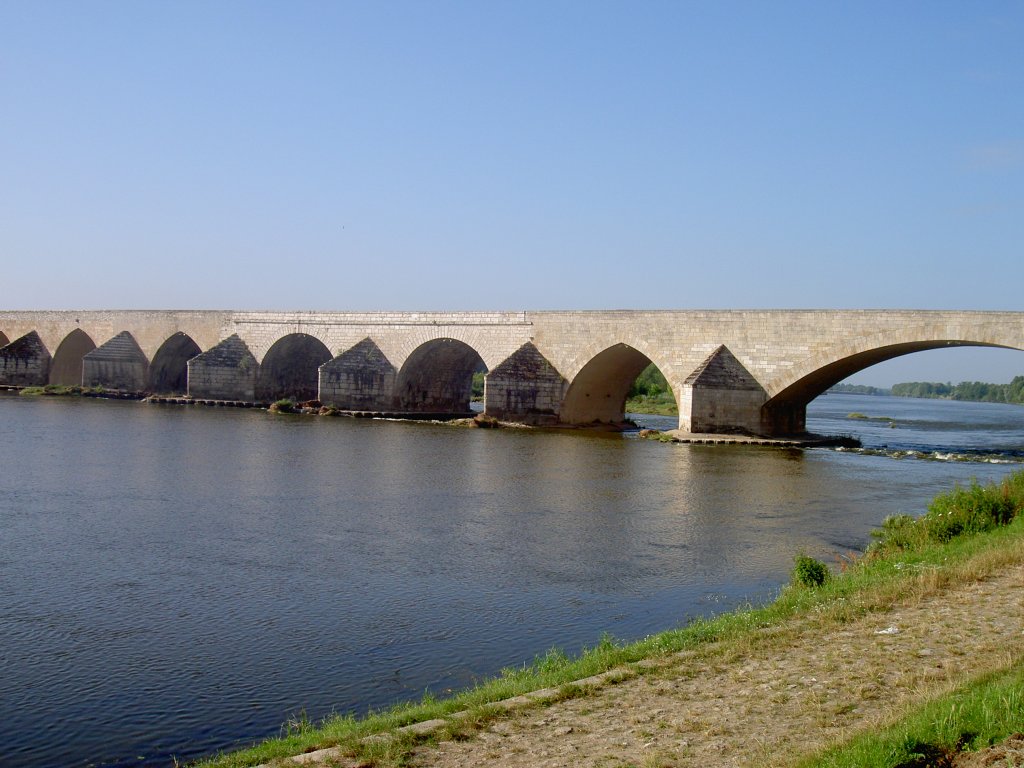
(926,610)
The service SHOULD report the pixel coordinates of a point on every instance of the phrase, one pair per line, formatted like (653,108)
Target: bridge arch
(785,411)
(291,368)
(66,369)
(4,341)
(168,372)
(437,377)
(597,394)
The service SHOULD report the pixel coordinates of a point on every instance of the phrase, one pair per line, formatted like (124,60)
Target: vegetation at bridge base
(965,535)
(651,394)
(60,390)
(477,388)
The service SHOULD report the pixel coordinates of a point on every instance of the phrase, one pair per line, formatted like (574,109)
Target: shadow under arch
(291,368)
(597,394)
(4,341)
(438,378)
(67,367)
(168,373)
(786,412)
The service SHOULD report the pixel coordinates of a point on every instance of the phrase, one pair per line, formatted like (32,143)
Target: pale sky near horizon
(528,155)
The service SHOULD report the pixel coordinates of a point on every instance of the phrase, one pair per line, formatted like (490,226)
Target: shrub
(974,509)
(809,572)
(897,532)
(285,405)
(967,510)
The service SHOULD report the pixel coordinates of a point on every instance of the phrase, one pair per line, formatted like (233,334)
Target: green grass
(663,404)
(61,390)
(896,566)
(973,509)
(976,715)
(864,417)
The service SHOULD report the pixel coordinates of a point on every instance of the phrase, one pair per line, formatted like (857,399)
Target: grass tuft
(978,714)
(808,572)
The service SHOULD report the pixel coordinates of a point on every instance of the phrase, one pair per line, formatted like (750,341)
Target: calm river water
(176,581)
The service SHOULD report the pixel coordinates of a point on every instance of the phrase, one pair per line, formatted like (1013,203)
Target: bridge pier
(783,419)
(119,364)
(226,372)
(360,379)
(25,362)
(721,396)
(525,388)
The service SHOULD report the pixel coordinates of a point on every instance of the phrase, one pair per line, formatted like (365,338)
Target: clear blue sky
(519,155)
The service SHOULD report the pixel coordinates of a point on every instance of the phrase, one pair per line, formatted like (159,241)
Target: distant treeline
(858,389)
(977,391)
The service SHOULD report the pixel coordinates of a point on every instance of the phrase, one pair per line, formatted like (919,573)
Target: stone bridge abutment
(730,371)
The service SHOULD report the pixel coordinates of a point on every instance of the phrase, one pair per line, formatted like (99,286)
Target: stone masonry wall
(118,364)
(359,379)
(525,387)
(25,362)
(226,372)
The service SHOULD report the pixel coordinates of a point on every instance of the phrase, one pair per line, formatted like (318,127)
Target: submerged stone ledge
(794,441)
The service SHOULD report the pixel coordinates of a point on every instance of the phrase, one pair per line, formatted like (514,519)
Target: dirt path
(764,706)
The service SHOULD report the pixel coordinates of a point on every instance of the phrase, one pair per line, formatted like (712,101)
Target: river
(180,580)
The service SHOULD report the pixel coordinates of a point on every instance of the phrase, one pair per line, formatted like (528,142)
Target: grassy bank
(663,404)
(979,714)
(966,534)
(60,390)
(651,394)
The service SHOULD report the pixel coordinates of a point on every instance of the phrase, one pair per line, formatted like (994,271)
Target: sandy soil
(766,707)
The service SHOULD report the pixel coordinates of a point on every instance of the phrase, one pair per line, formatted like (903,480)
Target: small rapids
(976,457)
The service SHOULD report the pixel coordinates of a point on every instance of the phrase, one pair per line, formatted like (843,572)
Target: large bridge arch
(168,372)
(597,393)
(785,410)
(437,377)
(67,367)
(291,368)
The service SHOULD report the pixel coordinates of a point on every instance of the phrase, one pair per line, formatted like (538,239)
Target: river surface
(176,581)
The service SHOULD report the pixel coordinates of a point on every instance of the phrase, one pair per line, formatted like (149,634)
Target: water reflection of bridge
(749,371)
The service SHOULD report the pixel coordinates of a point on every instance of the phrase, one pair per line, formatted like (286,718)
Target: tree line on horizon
(974,391)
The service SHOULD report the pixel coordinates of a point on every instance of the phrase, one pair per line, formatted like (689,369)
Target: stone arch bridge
(731,371)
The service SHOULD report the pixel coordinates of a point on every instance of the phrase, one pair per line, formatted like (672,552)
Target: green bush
(967,510)
(973,509)
(809,572)
(896,532)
